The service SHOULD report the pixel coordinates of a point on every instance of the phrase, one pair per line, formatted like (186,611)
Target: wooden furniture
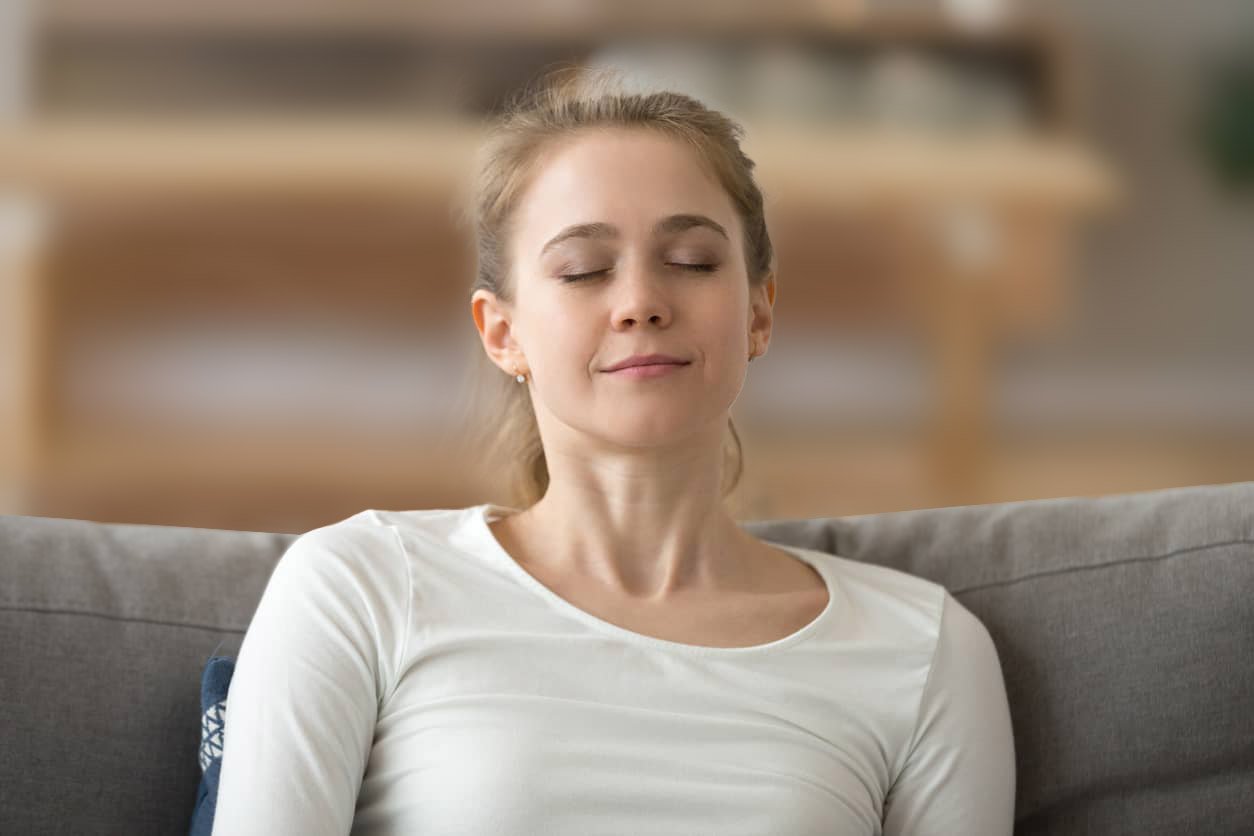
(160,224)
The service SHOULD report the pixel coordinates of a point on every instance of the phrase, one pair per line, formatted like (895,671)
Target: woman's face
(623,244)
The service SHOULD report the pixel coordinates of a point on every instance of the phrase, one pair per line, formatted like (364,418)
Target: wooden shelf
(535,22)
(433,158)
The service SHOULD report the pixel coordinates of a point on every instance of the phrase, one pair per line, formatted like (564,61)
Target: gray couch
(1124,624)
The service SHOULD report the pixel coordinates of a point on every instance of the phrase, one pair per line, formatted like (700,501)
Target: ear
(492,320)
(761,316)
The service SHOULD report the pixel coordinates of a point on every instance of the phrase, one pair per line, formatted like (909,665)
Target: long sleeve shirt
(402,674)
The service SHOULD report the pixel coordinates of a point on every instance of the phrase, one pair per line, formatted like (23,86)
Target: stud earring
(521,378)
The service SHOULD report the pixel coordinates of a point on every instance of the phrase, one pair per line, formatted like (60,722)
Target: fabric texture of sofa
(1124,625)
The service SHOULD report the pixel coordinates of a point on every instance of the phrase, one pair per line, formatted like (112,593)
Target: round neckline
(482,514)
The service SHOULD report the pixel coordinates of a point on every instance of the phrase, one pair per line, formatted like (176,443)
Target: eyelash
(698,268)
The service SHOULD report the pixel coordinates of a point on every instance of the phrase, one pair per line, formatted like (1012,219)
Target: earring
(521,378)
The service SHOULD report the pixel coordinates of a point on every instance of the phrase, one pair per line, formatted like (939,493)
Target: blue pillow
(214,684)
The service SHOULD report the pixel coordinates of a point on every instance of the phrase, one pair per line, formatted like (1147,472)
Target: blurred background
(1015,246)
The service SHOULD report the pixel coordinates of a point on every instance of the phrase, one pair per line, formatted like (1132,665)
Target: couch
(1124,625)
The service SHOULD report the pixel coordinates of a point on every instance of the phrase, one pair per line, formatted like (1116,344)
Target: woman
(612,653)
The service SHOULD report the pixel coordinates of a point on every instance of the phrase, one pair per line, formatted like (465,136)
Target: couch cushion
(107,628)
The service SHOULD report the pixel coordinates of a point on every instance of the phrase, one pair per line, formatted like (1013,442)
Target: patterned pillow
(214,684)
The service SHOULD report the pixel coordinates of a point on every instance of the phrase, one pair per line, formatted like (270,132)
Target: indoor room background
(1015,246)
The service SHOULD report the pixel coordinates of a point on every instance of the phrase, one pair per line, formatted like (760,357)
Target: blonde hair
(502,432)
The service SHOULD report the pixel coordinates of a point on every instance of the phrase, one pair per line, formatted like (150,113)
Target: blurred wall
(1169,279)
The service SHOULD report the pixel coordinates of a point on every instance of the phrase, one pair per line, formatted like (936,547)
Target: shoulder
(927,610)
(906,608)
(373,528)
(965,659)
(376,543)
(357,547)
(432,525)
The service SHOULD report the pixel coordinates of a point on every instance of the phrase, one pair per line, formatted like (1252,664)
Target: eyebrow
(668,225)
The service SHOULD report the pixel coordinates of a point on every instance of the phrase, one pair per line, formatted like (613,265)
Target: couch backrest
(107,629)
(1124,624)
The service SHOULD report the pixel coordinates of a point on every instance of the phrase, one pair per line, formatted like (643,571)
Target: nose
(640,297)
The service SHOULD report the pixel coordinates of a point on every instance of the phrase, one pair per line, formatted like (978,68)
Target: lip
(638,360)
(648,370)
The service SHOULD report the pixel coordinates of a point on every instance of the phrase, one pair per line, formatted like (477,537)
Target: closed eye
(697,268)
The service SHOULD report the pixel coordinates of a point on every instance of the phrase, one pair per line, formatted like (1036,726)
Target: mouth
(647,370)
(646,359)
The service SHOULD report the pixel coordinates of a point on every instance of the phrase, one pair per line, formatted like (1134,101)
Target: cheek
(722,340)
(564,339)
(730,321)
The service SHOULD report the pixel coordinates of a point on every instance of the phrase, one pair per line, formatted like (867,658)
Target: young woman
(612,653)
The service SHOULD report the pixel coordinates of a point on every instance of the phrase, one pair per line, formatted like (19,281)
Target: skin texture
(632,527)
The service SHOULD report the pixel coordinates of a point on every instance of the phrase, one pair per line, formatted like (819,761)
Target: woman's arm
(313,667)
(959,773)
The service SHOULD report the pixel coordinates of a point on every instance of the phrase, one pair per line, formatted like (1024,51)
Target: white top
(403,674)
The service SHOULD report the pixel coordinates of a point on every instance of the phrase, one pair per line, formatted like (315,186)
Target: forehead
(627,178)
